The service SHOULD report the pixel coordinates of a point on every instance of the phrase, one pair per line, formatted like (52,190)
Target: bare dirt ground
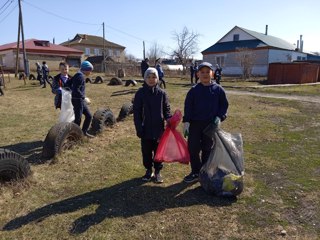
(276,95)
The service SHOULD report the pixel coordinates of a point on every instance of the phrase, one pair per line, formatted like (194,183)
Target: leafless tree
(187,45)
(246,58)
(130,57)
(154,52)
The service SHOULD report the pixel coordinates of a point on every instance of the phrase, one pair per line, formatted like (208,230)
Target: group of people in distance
(76,85)
(205,103)
(194,69)
(43,73)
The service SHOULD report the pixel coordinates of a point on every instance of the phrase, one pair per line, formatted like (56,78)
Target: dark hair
(44,62)
(63,64)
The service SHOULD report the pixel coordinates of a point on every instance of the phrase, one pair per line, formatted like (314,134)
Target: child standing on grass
(206,103)
(62,80)
(150,108)
(78,97)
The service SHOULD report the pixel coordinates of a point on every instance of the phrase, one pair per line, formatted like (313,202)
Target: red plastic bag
(172,146)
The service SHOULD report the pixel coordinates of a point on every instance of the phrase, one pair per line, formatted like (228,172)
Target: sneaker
(88,135)
(158,178)
(147,177)
(192,177)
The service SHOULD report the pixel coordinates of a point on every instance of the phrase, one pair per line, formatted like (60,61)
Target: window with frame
(110,52)
(220,60)
(97,51)
(235,37)
(118,53)
(87,51)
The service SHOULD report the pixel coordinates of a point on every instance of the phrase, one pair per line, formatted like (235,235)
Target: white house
(264,48)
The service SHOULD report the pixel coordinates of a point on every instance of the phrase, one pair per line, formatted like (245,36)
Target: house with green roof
(262,48)
(93,46)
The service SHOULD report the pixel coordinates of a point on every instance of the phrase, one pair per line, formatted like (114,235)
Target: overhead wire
(6,6)
(8,13)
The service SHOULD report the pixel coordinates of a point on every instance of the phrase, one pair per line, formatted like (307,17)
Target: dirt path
(314,99)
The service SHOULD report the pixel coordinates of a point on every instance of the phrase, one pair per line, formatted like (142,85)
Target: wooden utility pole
(25,61)
(103,51)
(18,48)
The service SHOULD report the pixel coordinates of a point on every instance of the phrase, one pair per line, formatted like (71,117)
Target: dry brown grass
(94,191)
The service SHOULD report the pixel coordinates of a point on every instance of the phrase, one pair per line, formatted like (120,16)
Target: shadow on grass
(123,92)
(32,151)
(127,199)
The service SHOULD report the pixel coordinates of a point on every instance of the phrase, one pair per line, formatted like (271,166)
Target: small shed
(293,73)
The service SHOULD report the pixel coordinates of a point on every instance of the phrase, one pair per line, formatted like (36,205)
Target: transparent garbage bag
(66,113)
(223,173)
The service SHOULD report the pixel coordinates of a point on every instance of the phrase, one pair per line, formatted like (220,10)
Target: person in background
(196,71)
(45,74)
(79,95)
(217,74)
(1,86)
(192,73)
(39,73)
(206,103)
(144,66)
(160,74)
(62,80)
(150,108)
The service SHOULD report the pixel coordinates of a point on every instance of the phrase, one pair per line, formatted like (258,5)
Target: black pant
(148,149)
(45,79)
(79,108)
(39,78)
(1,92)
(198,141)
(191,75)
(162,82)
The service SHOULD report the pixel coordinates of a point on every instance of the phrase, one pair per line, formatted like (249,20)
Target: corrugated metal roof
(86,39)
(270,40)
(43,46)
(261,40)
(232,46)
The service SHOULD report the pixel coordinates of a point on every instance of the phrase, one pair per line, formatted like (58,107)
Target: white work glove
(87,100)
(186,129)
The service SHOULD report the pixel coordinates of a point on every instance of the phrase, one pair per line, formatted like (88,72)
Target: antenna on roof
(266,33)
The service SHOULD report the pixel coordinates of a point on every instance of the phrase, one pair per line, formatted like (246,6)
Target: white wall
(284,55)
(242,36)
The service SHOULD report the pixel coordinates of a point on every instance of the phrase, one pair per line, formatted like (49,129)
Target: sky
(130,22)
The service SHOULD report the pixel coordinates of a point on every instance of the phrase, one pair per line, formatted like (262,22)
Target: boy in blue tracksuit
(206,103)
(78,97)
(150,108)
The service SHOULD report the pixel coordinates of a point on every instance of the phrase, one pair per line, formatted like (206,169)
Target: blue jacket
(150,108)
(204,103)
(57,84)
(78,86)
(160,71)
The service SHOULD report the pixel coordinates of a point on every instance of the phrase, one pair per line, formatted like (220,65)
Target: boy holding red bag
(150,108)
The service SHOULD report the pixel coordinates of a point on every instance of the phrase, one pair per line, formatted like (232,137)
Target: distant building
(93,46)
(38,51)
(265,49)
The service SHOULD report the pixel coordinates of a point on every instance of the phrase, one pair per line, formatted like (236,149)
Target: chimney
(266,30)
(301,43)
(298,47)
(53,41)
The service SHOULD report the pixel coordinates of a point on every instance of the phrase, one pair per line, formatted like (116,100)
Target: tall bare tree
(187,45)
(154,52)
(246,58)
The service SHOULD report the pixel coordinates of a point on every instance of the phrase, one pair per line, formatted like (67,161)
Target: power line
(8,14)
(6,6)
(58,16)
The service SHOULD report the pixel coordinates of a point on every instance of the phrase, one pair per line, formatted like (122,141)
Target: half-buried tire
(98,80)
(125,111)
(32,77)
(12,166)
(102,118)
(115,81)
(61,137)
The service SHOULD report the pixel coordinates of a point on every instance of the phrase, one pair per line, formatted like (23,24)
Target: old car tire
(131,82)
(101,119)
(88,80)
(61,137)
(32,77)
(115,81)
(126,110)
(12,166)
(98,80)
